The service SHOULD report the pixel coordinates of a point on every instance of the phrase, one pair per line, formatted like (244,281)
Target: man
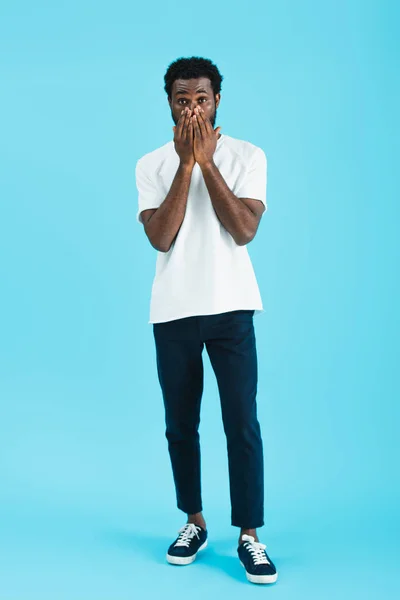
(201,197)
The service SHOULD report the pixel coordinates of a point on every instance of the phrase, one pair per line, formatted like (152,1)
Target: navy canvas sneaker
(253,557)
(191,539)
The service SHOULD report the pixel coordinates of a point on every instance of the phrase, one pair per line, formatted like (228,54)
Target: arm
(162,224)
(239,216)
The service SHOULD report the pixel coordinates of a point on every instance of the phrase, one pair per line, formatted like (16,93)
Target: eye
(184,100)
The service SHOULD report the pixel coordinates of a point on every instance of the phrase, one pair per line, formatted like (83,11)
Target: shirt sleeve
(149,196)
(254,184)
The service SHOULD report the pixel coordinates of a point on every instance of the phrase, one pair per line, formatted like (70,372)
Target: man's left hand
(204,137)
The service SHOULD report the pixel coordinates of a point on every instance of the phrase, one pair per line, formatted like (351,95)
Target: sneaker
(191,539)
(253,557)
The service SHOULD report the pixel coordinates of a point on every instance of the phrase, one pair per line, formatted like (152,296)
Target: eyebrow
(185,92)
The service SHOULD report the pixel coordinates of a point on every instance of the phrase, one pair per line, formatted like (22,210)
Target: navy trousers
(231,346)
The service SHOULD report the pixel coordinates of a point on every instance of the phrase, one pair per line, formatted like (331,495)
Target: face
(192,93)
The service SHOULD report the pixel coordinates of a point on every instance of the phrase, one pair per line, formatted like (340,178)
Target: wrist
(209,164)
(186,166)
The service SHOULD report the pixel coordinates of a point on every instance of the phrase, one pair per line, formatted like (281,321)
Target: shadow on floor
(220,553)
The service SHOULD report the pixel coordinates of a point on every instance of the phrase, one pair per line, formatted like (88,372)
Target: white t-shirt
(204,272)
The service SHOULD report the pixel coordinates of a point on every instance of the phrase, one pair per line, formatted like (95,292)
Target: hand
(205,137)
(183,138)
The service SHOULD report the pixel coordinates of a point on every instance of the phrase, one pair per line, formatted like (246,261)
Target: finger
(205,122)
(189,130)
(196,128)
(187,122)
(181,122)
(177,127)
(200,121)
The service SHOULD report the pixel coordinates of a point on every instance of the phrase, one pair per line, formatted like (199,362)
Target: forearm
(234,215)
(165,223)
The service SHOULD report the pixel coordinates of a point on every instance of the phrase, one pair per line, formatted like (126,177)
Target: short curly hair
(192,68)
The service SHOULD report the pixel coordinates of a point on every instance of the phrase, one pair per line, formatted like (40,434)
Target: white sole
(260,578)
(184,560)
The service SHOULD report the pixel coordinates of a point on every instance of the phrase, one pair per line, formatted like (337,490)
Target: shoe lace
(256,550)
(186,534)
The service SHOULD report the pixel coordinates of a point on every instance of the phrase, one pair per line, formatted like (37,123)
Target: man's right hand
(183,138)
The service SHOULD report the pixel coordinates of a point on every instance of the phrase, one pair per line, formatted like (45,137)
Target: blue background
(87,499)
